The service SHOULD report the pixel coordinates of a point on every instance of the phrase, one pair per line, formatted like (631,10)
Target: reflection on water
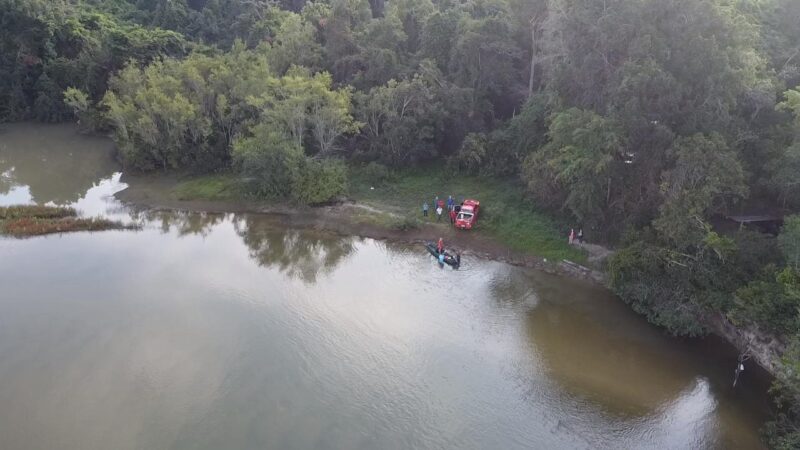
(234,331)
(296,254)
(50,164)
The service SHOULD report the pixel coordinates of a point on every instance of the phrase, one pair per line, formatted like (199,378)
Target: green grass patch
(209,187)
(505,213)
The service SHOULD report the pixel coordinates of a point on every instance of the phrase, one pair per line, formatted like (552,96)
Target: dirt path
(350,218)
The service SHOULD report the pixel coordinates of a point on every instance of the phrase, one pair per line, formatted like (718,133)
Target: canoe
(449,259)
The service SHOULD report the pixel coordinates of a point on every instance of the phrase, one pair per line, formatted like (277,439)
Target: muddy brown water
(234,331)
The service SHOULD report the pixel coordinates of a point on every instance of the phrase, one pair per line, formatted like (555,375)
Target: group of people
(573,238)
(439,206)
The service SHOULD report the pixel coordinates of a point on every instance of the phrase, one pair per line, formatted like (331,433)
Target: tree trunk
(377,7)
(533,57)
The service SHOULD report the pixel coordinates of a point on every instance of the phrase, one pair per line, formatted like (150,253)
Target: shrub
(471,157)
(376,173)
(269,161)
(407,224)
(319,181)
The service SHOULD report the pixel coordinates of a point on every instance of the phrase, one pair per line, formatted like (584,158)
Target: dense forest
(643,120)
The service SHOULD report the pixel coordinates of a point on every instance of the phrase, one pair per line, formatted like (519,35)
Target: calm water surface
(236,332)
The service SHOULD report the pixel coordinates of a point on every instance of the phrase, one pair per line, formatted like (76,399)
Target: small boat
(449,259)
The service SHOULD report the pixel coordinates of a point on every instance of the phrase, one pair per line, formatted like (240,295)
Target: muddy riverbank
(349,218)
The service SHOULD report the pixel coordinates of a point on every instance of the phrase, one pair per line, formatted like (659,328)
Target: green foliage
(578,165)
(485,56)
(473,155)
(46,47)
(789,241)
(656,284)
(184,114)
(524,134)
(376,173)
(276,167)
(772,304)
(676,289)
(269,160)
(706,177)
(783,432)
(403,119)
(319,181)
(295,44)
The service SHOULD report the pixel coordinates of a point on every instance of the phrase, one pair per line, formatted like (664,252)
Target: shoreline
(350,218)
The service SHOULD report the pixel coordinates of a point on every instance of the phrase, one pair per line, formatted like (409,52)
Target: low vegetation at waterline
(23,221)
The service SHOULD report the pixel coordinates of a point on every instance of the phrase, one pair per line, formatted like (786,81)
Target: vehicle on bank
(468,214)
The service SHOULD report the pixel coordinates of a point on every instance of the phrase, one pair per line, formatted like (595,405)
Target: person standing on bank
(453,215)
(580,236)
(571,236)
(424,209)
(438,213)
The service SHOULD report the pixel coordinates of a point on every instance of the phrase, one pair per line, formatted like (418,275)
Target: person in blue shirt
(450,203)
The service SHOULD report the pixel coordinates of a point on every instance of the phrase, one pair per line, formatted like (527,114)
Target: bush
(319,181)
(269,161)
(407,224)
(770,304)
(376,173)
(471,157)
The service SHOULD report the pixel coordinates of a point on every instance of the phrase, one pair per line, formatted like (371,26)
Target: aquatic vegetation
(32,220)
(35,212)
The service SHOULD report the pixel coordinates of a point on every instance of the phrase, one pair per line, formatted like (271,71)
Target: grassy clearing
(22,221)
(505,215)
(209,187)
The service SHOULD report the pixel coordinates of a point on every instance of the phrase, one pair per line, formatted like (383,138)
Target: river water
(234,331)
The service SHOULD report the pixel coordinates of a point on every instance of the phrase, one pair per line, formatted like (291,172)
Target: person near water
(580,236)
(440,246)
(424,209)
(452,216)
(458,258)
(435,202)
(441,258)
(571,236)
(439,213)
